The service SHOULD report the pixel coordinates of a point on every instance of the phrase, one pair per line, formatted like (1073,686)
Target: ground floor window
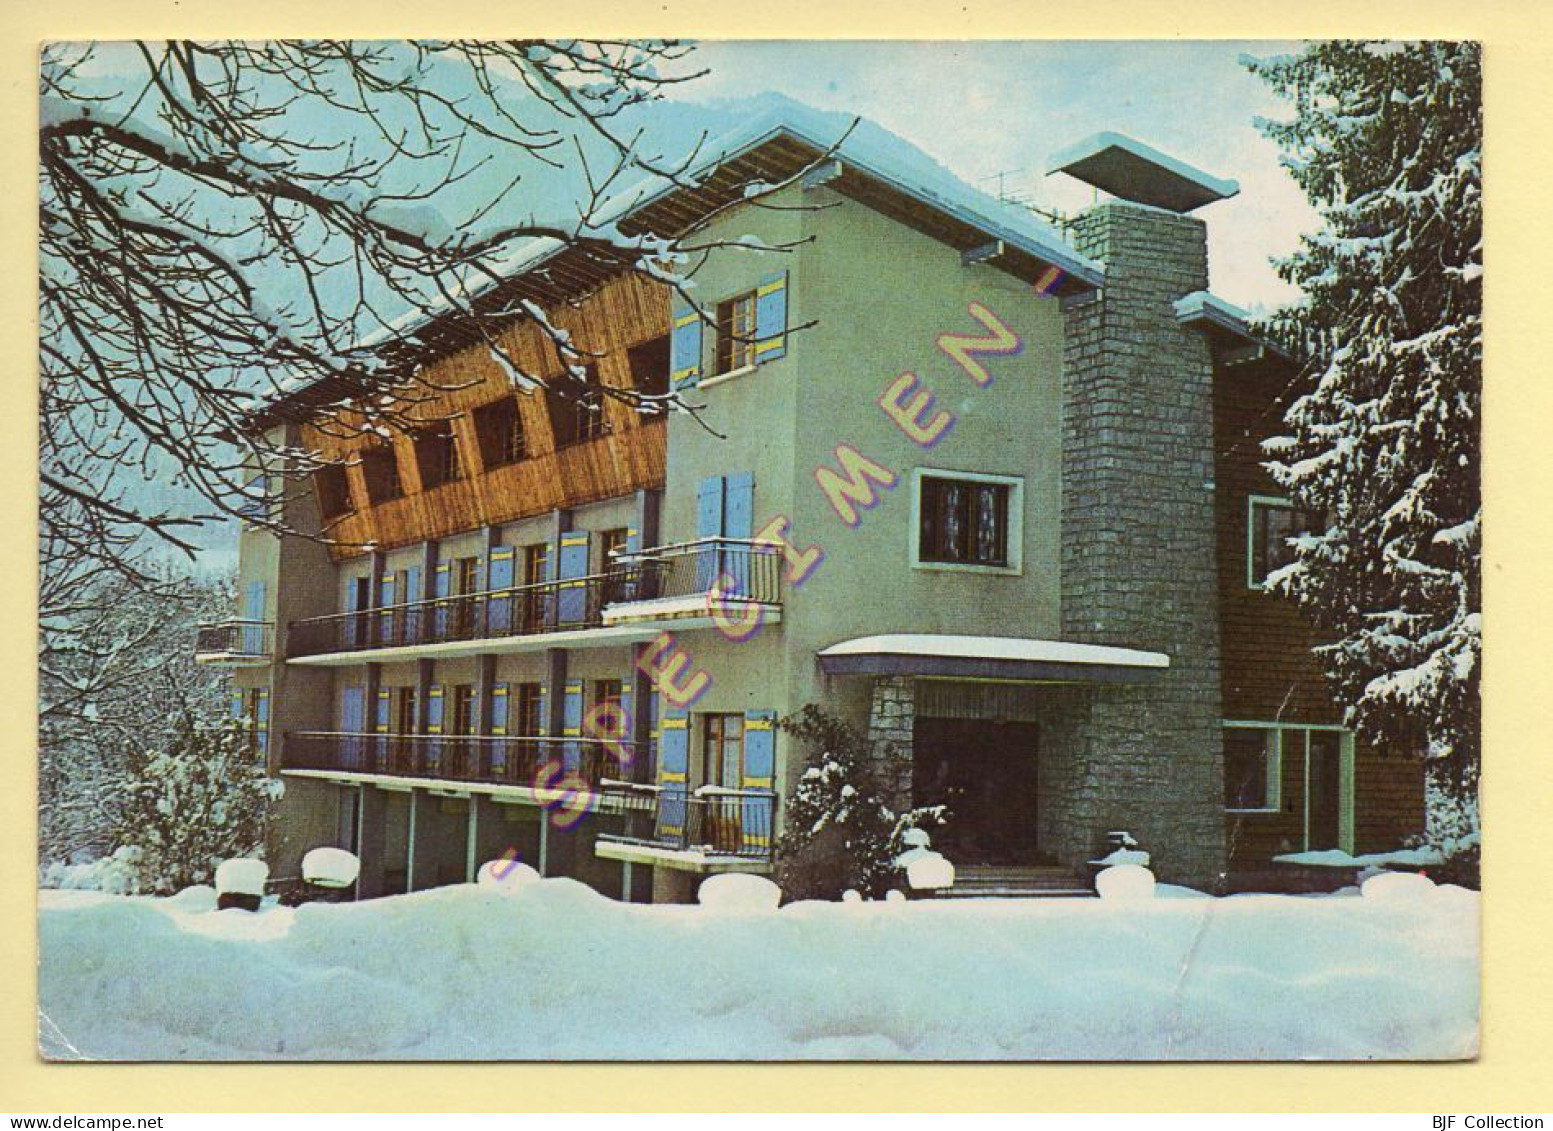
(1251,769)
(1301,771)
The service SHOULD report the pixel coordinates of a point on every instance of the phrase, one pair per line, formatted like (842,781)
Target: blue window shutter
(759,749)
(352,722)
(709,524)
(500,614)
(685,348)
(572,600)
(673,771)
(261,726)
(499,716)
(434,703)
(709,507)
(499,707)
(739,505)
(381,709)
(771,318)
(353,627)
(759,773)
(571,725)
(413,618)
(626,765)
(237,706)
(385,598)
(442,586)
(544,710)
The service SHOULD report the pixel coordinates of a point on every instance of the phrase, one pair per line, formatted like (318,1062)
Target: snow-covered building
(986,487)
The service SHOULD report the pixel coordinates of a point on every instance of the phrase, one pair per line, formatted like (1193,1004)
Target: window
(436,455)
(463,709)
(1251,768)
(404,710)
(576,408)
(1272,523)
(736,333)
(967,521)
(536,562)
(650,366)
(1258,757)
(380,469)
(466,576)
(612,544)
(722,751)
(530,697)
(332,490)
(500,428)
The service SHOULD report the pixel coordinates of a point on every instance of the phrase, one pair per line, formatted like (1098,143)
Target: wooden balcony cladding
(630,454)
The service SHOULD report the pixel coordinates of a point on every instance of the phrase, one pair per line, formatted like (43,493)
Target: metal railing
(489,760)
(718,822)
(235,639)
(740,569)
(522,610)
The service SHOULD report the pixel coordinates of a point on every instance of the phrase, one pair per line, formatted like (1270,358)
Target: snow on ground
(550,969)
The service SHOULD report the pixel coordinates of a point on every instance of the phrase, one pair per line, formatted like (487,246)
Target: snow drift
(553,970)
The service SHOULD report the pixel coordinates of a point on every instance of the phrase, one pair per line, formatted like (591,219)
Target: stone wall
(1138,554)
(891,715)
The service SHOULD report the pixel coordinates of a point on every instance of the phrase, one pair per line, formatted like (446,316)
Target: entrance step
(999,882)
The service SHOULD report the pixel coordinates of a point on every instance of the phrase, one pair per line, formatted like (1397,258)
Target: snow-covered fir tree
(1384,440)
(839,833)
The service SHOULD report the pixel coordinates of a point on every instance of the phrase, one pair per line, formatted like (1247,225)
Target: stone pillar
(1139,564)
(892,715)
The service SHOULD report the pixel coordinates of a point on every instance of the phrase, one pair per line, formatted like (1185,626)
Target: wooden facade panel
(1269,672)
(630,455)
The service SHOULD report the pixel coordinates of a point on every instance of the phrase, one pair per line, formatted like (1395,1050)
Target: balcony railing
(500,760)
(523,610)
(234,642)
(711,821)
(742,571)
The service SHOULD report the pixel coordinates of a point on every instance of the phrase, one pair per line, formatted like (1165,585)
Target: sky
(984,108)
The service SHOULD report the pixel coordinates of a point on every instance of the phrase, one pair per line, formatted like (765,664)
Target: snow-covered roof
(1007,657)
(889,159)
(1127,168)
(1203,307)
(876,165)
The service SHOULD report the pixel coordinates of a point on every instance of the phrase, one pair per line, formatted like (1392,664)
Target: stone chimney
(1139,566)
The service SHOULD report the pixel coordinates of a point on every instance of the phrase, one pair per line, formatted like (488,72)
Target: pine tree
(839,834)
(1384,440)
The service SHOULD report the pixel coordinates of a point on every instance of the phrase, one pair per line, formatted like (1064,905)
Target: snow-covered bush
(203,799)
(116,874)
(839,834)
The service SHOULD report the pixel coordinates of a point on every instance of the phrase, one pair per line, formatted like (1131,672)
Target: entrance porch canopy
(931,655)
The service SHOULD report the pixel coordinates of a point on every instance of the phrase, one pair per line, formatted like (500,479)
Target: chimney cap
(1126,168)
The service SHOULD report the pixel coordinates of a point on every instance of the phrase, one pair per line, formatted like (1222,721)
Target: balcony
(670,586)
(519,762)
(681,580)
(708,830)
(235,643)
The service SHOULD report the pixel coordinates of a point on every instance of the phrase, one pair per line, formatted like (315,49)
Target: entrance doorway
(985,772)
